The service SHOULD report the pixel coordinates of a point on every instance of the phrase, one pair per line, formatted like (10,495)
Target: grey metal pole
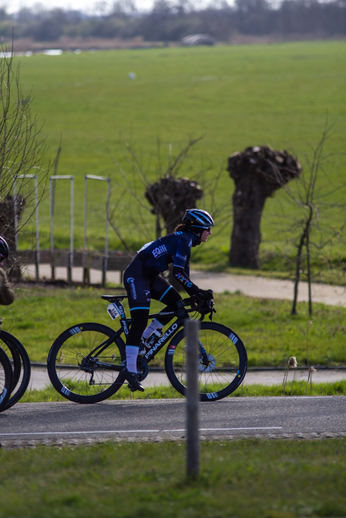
(192,398)
(15,213)
(51,203)
(105,265)
(70,266)
(86,271)
(52,197)
(85,211)
(26,176)
(37,231)
(105,260)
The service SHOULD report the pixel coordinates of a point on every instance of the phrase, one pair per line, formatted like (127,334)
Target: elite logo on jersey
(158,251)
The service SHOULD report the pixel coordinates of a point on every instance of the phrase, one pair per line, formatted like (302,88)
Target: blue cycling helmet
(4,250)
(198,219)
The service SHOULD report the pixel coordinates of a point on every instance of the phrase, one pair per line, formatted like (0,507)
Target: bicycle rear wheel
(20,364)
(226,366)
(82,378)
(6,379)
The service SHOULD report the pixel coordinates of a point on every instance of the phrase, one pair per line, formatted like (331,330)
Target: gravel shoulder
(219,282)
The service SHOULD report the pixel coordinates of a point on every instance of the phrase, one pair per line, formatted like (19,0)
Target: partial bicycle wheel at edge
(227,362)
(21,367)
(82,378)
(6,379)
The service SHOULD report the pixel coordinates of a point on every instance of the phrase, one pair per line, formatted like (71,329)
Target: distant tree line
(172,20)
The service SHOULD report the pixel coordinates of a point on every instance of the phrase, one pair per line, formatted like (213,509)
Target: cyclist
(6,293)
(142,282)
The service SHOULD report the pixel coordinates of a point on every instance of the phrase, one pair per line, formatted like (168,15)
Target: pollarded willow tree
(257,173)
(171,196)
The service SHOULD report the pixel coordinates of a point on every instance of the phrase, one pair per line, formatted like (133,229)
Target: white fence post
(86,274)
(24,177)
(52,202)
(192,398)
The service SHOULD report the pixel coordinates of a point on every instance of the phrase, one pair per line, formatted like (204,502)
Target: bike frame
(181,314)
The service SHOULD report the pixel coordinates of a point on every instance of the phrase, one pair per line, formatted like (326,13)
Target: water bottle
(153,338)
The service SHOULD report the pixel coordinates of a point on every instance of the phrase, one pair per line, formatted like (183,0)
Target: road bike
(6,379)
(85,361)
(20,364)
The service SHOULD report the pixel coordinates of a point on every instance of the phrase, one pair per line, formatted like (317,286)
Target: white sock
(155,324)
(131,358)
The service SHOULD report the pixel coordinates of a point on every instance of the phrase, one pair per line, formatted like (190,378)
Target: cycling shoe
(132,380)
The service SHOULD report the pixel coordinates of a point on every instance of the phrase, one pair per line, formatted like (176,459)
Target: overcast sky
(80,5)
(86,6)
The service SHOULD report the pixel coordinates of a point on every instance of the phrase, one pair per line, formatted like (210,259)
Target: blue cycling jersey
(173,249)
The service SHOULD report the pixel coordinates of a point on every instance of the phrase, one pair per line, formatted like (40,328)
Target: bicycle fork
(204,355)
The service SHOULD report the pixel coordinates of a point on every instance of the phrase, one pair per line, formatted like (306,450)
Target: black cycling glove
(205,294)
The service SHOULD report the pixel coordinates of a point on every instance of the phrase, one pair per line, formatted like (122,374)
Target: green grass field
(236,96)
(271,335)
(246,479)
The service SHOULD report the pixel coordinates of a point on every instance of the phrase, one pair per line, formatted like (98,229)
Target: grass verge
(293,388)
(249,478)
(270,333)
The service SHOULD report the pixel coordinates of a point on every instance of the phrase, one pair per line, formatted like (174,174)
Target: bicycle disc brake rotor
(207,368)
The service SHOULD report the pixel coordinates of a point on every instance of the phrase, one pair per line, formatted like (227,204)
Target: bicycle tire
(6,379)
(228,362)
(73,381)
(20,361)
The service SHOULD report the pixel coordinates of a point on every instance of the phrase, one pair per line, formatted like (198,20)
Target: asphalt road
(296,417)
(286,417)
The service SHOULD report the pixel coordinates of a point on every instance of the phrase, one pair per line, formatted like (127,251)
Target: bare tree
(168,196)
(22,154)
(257,172)
(310,194)
(171,195)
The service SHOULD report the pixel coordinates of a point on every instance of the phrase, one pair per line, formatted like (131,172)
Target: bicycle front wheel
(222,361)
(20,364)
(6,379)
(78,373)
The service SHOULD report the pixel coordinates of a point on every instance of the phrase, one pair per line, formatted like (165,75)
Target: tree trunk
(248,204)
(297,278)
(304,239)
(257,173)
(309,273)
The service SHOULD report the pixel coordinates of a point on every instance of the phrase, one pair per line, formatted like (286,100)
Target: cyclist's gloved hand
(205,294)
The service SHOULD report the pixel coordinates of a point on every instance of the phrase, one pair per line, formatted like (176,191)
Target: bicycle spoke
(224,369)
(79,375)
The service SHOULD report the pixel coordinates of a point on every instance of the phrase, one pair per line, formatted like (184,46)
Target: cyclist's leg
(137,286)
(164,292)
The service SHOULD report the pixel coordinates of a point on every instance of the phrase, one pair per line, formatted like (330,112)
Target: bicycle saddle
(113,298)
